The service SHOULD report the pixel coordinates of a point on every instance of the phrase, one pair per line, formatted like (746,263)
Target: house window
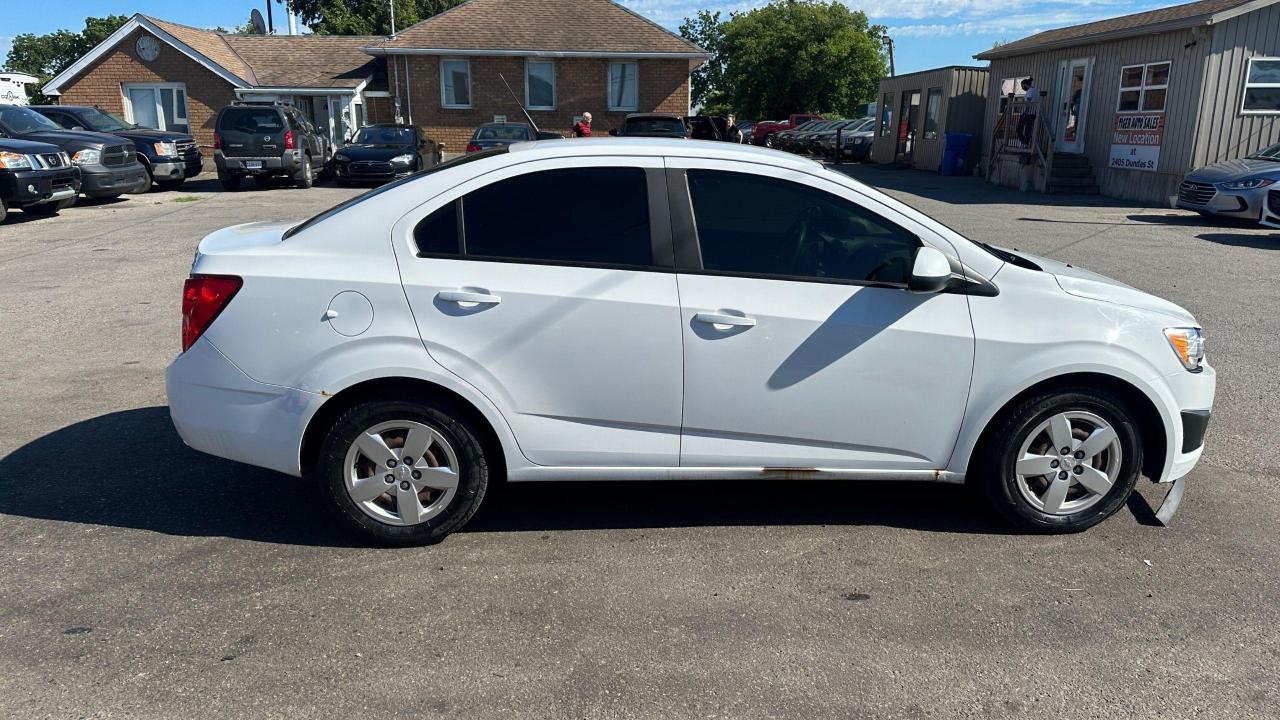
(1143,88)
(622,86)
(455,83)
(1262,86)
(931,109)
(540,85)
(162,106)
(886,114)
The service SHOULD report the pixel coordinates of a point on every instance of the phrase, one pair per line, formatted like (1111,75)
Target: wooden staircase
(1071,174)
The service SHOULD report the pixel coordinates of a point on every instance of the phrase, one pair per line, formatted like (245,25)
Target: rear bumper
(219,410)
(288,162)
(22,188)
(99,181)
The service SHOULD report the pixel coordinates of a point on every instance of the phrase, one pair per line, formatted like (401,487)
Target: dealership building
(1129,105)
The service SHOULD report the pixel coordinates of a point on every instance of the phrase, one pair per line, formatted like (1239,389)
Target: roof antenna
(532,124)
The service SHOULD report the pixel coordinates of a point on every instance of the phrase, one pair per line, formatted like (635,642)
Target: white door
(802,347)
(555,309)
(1071,104)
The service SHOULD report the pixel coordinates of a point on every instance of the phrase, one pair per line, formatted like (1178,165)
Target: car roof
(390,125)
(660,146)
(663,116)
(504,124)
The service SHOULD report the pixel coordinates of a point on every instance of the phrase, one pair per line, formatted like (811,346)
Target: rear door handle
(725,319)
(467,296)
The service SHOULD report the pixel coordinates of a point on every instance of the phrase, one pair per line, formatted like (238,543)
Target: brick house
(561,58)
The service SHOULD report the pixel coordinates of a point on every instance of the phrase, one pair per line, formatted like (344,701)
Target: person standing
(735,132)
(1027,123)
(582,128)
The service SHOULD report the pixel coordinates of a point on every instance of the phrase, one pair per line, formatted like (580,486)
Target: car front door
(547,287)
(803,348)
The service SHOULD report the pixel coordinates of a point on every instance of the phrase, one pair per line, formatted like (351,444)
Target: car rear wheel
(229,182)
(403,472)
(305,176)
(1062,461)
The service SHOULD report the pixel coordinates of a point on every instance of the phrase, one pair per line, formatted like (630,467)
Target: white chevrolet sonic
(643,309)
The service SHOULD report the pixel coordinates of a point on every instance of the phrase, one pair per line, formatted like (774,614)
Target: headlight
(402,159)
(14,161)
(1188,345)
(66,159)
(340,157)
(166,149)
(86,157)
(1249,184)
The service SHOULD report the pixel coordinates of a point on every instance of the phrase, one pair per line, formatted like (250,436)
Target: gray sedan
(1234,188)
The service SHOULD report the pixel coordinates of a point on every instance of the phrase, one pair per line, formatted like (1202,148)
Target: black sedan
(384,152)
(499,134)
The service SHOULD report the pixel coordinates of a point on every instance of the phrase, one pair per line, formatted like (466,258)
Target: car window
(502,132)
(385,135)
(673,126)
(20,120)
(757,225)
(252,120)
(535,217)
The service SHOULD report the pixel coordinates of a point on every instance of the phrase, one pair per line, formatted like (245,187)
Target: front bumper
(177,169)
(100,181)
(219,410)
(1191,397)
(1244,204)
(370,170)
(23,188)
(287,162)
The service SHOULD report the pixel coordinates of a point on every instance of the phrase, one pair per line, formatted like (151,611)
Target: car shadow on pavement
(130,469)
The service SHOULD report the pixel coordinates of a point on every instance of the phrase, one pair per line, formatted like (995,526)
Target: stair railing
(1006,139)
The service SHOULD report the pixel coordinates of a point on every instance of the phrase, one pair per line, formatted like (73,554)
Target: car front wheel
(403,473)
(1062,461)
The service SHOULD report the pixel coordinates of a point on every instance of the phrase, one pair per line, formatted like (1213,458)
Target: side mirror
(930,271)
(78,127)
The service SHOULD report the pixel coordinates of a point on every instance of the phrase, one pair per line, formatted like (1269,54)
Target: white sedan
(644,309)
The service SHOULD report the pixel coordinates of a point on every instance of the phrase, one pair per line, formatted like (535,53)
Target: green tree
(791,56)
(47,55)
(365,17)
(707,32)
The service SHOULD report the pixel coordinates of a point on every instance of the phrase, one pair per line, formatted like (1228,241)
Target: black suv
(36,177)
(169,157)
(267,140)
(108,166)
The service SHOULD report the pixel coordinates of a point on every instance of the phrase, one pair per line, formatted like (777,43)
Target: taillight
(203,297)
(473,147)
(217,141)
(288,139)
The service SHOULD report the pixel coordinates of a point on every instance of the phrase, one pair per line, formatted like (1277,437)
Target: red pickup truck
(762,132)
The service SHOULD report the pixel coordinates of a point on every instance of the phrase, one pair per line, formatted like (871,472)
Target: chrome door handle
(467,296)
(725,319)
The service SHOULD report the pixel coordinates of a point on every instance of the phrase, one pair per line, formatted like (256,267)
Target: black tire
(229,182)
(165,185)
(443,418)
(48,209)
(305,176)
(997,481)
(4,211)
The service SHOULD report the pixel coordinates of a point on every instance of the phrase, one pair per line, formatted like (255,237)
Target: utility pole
(293,18)
(888,43)
(395,66)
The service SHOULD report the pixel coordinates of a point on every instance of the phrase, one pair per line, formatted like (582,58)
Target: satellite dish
(259,25)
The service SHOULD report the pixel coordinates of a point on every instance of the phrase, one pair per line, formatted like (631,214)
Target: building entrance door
(1071,103)
(908,125)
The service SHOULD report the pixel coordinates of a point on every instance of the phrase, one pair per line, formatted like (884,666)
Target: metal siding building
(962,104)
(1207,46)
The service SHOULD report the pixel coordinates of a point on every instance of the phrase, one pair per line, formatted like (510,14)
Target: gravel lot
(142,579)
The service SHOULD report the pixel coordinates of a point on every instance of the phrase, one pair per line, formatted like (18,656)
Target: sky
(926,33)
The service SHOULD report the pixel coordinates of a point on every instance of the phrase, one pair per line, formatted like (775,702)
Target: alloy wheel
(401,472)
(1068,463)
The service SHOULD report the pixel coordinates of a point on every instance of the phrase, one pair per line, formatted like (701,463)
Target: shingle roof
(209,44)
(541,26)
(1169,18)
(305,60)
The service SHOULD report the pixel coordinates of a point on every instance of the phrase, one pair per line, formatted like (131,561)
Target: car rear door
(249,131)
(549,287)
(803,347)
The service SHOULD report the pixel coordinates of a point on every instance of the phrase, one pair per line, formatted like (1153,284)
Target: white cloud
(6,42)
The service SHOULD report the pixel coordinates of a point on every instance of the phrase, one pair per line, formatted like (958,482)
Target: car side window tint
(594,216)
(757,225)
(437,233)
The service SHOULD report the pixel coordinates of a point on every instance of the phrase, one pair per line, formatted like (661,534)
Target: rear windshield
(503,132)
(655,125)
(462,160)
(252,120)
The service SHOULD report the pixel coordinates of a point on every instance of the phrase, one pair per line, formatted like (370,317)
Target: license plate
(252,164)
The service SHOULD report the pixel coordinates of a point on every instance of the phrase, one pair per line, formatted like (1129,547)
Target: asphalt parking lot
(142,579)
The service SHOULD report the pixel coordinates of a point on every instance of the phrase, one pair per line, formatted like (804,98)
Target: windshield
(462,160)
(1271,153)
(252,120)
(21,120)
(670,126)
(97,120)
(503,132)
(384,136)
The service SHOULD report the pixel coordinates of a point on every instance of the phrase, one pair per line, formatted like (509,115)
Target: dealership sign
(1136,140)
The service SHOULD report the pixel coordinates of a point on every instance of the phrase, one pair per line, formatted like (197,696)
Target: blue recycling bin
(955,154)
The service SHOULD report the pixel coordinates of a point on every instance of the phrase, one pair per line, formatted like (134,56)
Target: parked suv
(108,165)
(266,140)
(36,177)
(169,157)
(731,314)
